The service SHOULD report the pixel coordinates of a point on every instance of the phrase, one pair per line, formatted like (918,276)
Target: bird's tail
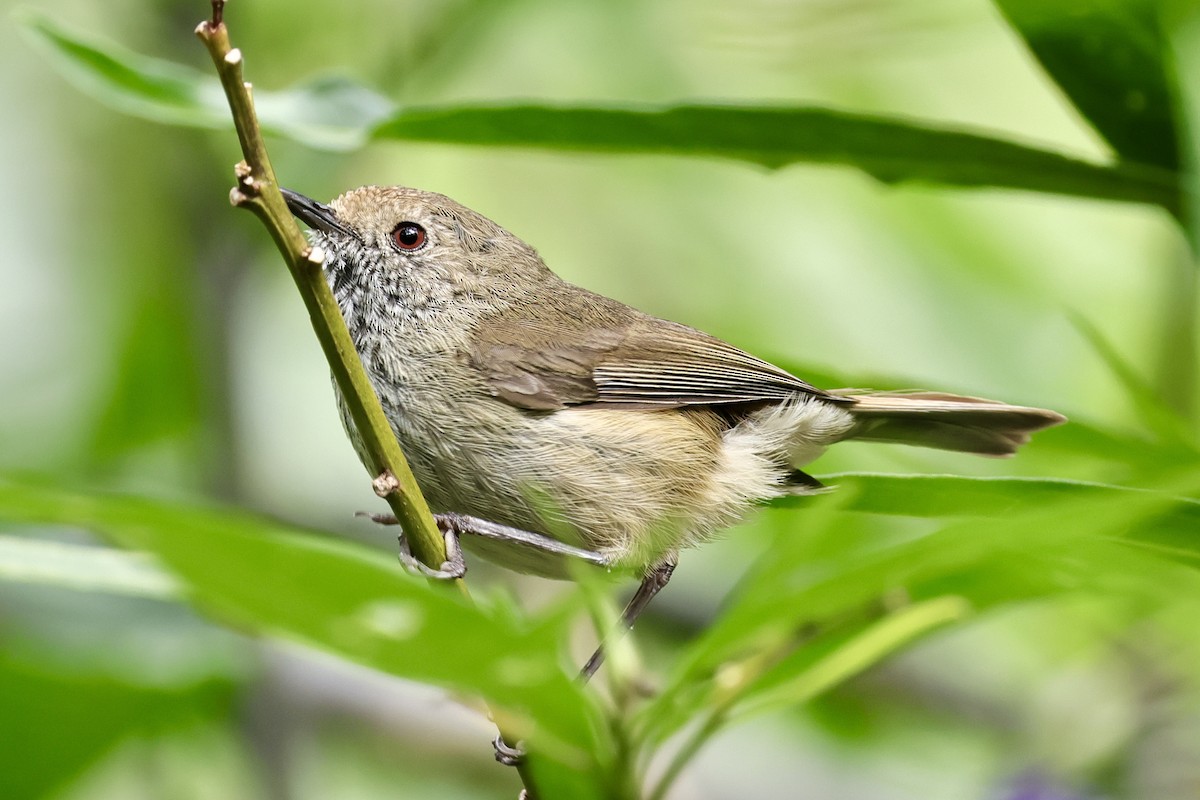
(945,421)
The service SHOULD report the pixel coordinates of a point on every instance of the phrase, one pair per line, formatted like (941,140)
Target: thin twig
(258,190)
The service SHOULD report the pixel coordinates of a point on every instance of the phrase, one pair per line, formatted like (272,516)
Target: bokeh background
(153,344)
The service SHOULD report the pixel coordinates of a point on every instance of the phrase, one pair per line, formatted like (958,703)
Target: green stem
(869,647)
(1178,370)
(731,681)
(1177,358)
(258,190)
(700,736)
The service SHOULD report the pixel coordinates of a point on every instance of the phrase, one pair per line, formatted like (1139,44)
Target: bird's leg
(474,526)
(453,525)
(464,524)
(651,585)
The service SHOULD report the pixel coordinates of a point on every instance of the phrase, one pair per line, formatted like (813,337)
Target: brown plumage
(528,402)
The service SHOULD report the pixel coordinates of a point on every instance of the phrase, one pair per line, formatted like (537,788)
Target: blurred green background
(155,346)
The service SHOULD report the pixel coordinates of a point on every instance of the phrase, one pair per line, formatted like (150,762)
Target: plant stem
(1175,376)
(700,736)
(258,190)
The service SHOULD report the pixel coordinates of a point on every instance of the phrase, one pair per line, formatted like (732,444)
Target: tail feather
(945,421)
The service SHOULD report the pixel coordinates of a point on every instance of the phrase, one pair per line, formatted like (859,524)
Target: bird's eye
(408,236)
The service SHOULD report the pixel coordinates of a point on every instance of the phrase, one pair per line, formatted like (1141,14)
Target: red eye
(408,236)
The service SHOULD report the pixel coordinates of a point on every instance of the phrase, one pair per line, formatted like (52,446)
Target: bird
(546,423)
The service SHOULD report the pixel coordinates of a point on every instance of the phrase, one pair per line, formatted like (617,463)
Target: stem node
(238,198)
(385,483)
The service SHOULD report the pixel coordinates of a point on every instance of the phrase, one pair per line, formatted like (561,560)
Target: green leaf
(1015,541)
(326,113)
(957,495)
(891,150)
(272,579)
(336,114)
(58,721)
(737,694)
(1109,58)
(794,685)
(1168,521)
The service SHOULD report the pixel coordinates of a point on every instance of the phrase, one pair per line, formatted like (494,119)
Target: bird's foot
(453,568)
(506,754)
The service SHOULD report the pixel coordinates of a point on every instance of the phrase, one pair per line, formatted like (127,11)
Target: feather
(945,421)
(586,350)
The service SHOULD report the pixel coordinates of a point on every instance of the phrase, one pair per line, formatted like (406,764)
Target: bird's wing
(592,351)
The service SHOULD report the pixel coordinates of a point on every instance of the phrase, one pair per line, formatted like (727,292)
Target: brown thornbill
(545,422)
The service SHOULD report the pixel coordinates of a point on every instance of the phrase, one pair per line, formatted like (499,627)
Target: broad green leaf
(58,721)
(1109,57)
(326,113)
(891,150)
(269,578)
(1173,521)
(338,115)
(957,495)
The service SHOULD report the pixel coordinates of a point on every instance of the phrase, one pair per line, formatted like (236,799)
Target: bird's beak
(316,215)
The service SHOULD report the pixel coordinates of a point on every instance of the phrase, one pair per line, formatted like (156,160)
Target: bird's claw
(506,754)
(453,568)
